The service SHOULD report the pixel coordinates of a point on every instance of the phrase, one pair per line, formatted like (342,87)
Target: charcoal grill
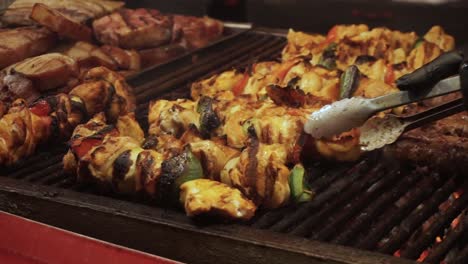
(373,211)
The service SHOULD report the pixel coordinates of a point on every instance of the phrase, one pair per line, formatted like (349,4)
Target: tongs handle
(436,113)
(444,110)
(444,66)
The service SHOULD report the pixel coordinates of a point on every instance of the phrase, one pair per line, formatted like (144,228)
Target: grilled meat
(48,71)
(59,23)
(442,145)
(55,117)
(430,147)
(134,29)
(21,43)
(18,13)
(88,56)
(148,28)
(129,60)
(211,197)
(197,32)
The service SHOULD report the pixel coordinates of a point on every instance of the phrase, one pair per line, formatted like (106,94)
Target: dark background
(319,16)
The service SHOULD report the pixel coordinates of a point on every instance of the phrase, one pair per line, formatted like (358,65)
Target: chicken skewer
(112,156)
(258,166)
(23,128)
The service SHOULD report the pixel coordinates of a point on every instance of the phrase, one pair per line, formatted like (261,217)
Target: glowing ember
(423,256)
(397,253)
(438,239)
(457,194)
(455,222)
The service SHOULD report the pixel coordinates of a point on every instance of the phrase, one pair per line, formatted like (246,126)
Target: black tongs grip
(444,66)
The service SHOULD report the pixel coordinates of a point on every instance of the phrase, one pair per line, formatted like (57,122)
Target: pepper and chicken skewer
(112,155)
(23,128)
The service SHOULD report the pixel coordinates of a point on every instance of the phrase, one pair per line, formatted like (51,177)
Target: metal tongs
(442,76)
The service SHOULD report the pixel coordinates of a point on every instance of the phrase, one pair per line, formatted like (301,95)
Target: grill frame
(100,217)
(44,194)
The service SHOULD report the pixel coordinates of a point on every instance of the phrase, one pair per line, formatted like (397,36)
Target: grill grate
(374,205)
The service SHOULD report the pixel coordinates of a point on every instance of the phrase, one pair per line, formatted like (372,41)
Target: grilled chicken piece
(134,29)
(197,32)
(214,198)
(172,117)
(301,44)
(88,56)
(261,174)
(21,131)
(48,71)
(213,156)
(21,43)
(253,81)
(86,136)
(390,53)
(59,23)
(437,36)
(18,13)
(121,163)
(103,91)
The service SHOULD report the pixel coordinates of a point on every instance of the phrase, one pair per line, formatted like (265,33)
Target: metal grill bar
(415,246)
(303,211)
(203,65)
(416,218)
(439,251)
(375,209)
(396,214)
(324,179)
(342,216)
